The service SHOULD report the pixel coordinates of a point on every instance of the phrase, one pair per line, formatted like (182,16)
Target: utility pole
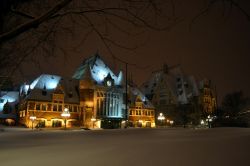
(126,93)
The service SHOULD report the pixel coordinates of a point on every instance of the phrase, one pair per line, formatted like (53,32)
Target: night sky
(215,46)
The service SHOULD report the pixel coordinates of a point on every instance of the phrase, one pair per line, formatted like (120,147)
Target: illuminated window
(31,106)
(43,107)
(49,107)
(60,108)
(75,108)
(70,108)
(37,106)
(56,123)
(130,113)
(54,107)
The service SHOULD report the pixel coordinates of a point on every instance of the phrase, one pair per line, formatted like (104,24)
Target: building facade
(94,97)
(207,97)
(180,97)
(141,111)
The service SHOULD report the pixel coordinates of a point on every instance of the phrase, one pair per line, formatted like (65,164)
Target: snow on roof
(180,85)
(136,92)
(47,80)
(11,96)
(99,70)
(41,93)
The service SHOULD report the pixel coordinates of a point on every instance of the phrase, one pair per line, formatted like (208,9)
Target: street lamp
(171,122)
(32,118)
(209,121)
(65,115)
(93,120)
(161,117)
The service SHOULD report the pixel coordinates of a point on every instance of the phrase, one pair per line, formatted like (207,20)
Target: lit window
(49,107)
(75,108)
(130,113)
(60,108)
(37,106)
(54,107)
(70,108)
(43,107)
(31,106)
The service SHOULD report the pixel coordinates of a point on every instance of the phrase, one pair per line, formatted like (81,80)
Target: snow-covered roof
(47,81)
(12,97)
(135,92)
(99,70)
(44,86)
(182,86)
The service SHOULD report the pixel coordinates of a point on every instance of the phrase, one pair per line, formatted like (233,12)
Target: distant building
(141,111)
(94,97)
(175,94)
(8,107)
(207,97)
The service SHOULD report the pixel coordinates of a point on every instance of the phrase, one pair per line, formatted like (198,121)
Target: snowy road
(131,147)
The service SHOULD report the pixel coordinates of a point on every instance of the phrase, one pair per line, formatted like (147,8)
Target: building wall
(207,98)
(141,116)
(48,114)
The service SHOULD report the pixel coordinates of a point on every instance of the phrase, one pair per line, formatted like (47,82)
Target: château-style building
(94,97)
(178,95)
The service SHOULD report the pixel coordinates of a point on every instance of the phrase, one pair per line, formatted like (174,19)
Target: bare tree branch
(33,23)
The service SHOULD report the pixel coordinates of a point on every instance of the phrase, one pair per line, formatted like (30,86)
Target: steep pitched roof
(12,97)
(99,70)
(136,94)
(182,86)
(57,84)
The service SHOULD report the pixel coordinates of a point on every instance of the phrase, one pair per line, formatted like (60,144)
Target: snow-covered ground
(127,147)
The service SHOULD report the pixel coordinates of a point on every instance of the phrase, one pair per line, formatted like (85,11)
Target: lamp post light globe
(161,117)
(32,118)
(171,122)
(65,115)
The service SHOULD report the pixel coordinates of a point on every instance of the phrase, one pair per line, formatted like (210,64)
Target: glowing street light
(171,122)
(32,118)
(161,117)
(65,115)
(209,121)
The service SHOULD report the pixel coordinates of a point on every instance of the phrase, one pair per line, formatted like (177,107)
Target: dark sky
(216,47)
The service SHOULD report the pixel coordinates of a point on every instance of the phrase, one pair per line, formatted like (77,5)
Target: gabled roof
(12,97)
(53,84)
(47,80)
(135,93)
(182,86)
(99,70)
